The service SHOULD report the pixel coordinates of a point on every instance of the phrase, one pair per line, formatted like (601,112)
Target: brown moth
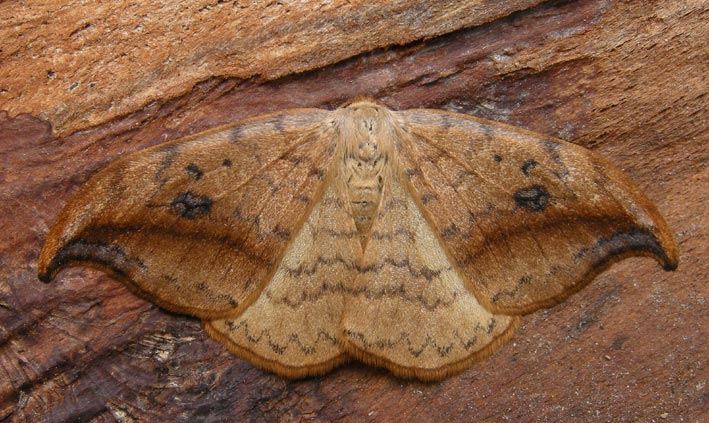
(411,240)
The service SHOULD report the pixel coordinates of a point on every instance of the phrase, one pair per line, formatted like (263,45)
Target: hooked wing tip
(45,270)
(98,254)
(637,241)
(670,259)
(45,276)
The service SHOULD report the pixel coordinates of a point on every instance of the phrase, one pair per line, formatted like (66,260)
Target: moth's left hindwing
(198,225)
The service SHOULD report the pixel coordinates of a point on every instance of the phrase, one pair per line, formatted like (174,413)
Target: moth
(411,240)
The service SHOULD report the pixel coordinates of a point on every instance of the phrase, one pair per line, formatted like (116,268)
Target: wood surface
(624,78)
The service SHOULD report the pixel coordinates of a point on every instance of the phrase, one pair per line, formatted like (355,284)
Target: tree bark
(81,87)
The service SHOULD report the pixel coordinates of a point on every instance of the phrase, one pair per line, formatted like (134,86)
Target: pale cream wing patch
(292,328)
(409,310)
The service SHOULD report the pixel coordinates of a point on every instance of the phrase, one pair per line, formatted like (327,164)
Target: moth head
(366,130)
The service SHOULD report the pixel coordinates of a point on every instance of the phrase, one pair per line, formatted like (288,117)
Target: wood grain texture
(84,59)
(624,78)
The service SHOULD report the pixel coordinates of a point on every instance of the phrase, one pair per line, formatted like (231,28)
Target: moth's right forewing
(198,225)
(528,220)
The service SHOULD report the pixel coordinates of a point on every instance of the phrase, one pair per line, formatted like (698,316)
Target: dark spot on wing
(189,205)
(427,197)
(317,172)
(412,172)
(534,198)
(528,165)
(498,158)
(281,233)
(450,230)
(194,170)
(226,163)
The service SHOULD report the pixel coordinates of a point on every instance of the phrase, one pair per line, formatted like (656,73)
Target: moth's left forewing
(527,219)
(199,224)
